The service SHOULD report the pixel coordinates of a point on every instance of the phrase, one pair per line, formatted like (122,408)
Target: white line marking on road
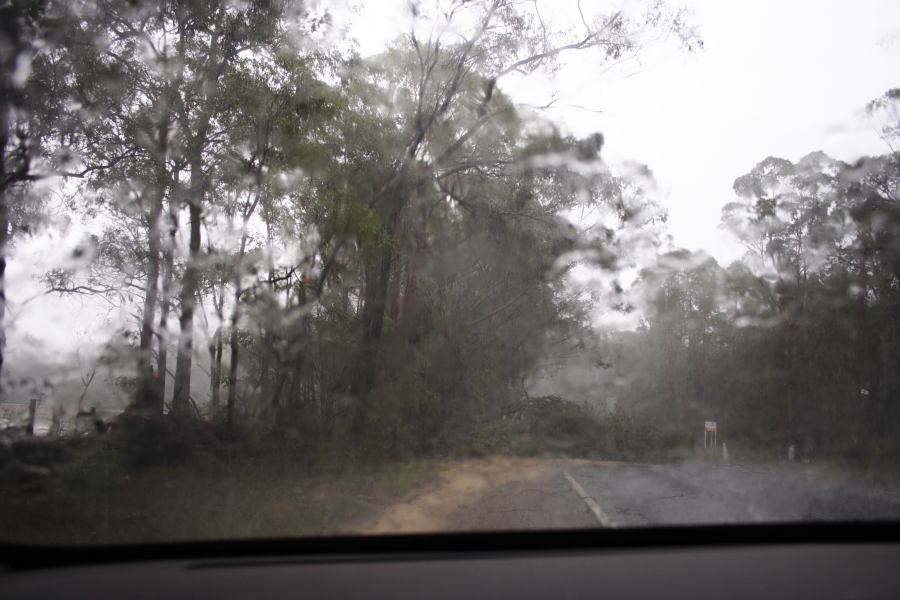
(591,503)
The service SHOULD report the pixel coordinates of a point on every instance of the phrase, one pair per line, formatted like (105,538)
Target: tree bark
(374,303)
(5,102)
(32,413)
(4,242)
(215,349)
(219,59)
(162,360)
(375,295)
(789,352)
(400,266)
(233,365)
(215,368)
(148,399)
(189,286)
(162,355)
(413,265)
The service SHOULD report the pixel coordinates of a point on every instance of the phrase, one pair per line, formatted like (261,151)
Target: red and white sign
(709,435)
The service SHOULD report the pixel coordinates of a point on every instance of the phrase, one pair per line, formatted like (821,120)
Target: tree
(31,113)
(211,39)
(150,73)
(787,215)
(453,124)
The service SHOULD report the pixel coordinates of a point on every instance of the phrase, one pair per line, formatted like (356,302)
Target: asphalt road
(631,495)
(703,492)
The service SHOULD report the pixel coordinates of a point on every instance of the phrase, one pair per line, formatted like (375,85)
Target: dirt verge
(488,494)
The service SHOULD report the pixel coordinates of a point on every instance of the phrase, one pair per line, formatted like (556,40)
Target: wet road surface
(611,494)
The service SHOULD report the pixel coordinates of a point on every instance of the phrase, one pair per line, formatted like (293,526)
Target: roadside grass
(204,485)
(96,499)
(209,488)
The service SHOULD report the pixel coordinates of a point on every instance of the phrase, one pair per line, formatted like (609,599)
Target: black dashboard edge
(425,546)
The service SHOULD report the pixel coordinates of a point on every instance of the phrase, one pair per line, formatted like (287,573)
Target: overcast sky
(776,77)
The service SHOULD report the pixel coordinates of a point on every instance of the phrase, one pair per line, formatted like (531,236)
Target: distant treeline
(799,342)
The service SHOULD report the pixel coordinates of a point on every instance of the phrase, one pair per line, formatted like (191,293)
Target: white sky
(776,77)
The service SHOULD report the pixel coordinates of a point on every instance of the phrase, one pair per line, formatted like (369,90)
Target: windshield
(286,268)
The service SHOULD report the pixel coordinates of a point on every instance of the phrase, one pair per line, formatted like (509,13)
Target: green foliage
(366,227)
(373,245)
(553,426)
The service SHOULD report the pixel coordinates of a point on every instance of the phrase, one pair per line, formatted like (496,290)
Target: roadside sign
(709,431)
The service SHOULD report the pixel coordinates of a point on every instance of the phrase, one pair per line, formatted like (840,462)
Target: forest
(294,246)
(796,344)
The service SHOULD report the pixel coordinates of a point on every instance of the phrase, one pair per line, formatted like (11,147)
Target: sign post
(709,431)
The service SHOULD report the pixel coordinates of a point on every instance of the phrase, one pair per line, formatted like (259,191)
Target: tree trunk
(374,302)
(215,368)
(233,369)
(4,242)
(32,413)
(5,101)
(190,284)
(162,355)
(215,349)
(394,294)
(162,360)
(148,399)
(789,352)
(235,317)
(191,280)
(375,295)
(413,265)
